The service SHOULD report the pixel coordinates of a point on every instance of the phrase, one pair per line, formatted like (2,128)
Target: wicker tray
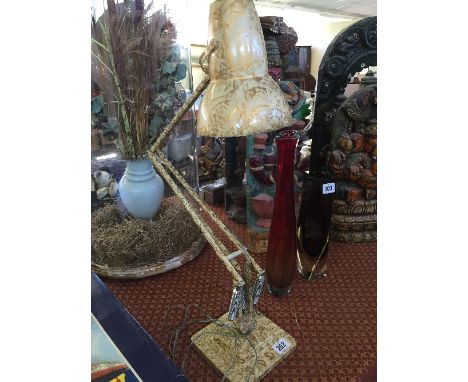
(150,269)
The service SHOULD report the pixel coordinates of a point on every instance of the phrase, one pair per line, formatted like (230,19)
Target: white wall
(327,33)
(191,20)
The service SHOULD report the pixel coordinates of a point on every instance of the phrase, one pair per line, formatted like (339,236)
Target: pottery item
(141,189)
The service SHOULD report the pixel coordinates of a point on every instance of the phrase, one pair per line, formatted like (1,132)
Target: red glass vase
(281,253)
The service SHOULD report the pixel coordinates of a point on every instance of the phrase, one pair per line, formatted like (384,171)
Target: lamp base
(272,345)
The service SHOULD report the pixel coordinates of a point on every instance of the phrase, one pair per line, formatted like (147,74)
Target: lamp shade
(241,98)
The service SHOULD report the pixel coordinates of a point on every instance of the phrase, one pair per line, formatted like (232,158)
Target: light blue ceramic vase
(141,189)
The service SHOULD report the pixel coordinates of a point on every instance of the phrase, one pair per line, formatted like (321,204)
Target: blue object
(97,103)
(141,189)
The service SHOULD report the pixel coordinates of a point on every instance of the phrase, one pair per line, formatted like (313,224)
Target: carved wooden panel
(352,50)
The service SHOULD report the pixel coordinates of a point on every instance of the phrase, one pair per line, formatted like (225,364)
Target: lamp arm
(212,215)
(207,53)
(180,114)
(219,248)
(161,163)
(155,150)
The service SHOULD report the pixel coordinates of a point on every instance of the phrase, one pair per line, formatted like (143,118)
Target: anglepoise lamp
(240,99)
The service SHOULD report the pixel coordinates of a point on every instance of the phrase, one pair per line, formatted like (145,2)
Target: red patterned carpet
(336,328)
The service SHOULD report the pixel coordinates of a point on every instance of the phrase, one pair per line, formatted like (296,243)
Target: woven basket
(140,271)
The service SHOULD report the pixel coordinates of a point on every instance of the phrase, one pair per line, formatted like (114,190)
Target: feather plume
(128,45)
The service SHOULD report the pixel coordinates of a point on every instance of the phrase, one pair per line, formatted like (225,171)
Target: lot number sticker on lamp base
(281,346)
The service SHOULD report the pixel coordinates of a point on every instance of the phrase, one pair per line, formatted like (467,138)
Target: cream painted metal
(241,98)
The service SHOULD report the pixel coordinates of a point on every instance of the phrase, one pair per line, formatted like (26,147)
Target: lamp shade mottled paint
(241,99)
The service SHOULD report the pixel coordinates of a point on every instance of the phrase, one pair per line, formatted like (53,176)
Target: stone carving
(353,160)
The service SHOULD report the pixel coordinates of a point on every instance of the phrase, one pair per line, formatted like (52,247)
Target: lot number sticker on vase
(328,188)
(281,346)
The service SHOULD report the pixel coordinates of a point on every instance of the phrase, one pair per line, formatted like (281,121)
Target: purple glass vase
(313,225)
(281,252)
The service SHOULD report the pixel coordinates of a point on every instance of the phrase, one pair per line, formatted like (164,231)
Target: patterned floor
(336,327)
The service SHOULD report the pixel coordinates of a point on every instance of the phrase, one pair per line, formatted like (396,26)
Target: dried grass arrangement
(133,248)
(128,45)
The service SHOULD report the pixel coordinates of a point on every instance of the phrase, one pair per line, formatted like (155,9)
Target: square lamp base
(272,345)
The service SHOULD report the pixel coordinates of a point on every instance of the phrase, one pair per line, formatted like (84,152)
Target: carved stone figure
(353,160)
